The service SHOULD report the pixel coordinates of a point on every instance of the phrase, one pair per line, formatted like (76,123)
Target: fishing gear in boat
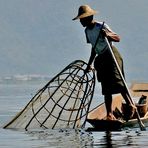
(63,102)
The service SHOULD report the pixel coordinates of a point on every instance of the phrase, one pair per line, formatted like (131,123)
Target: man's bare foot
(110,117)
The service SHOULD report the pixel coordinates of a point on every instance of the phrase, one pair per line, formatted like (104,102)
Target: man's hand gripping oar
(142,127)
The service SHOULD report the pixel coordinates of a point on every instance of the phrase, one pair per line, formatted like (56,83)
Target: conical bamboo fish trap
(62,103)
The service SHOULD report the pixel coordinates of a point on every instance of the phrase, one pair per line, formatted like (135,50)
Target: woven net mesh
(62,103)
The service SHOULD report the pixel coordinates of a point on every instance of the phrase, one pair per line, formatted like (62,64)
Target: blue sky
(39,36)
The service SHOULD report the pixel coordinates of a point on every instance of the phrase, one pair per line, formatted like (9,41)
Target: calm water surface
(66,138)
(14,96)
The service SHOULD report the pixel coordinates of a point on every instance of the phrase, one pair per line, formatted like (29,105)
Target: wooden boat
(97,117)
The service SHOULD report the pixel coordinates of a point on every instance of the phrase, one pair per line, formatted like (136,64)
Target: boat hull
(105,125)
(96,117)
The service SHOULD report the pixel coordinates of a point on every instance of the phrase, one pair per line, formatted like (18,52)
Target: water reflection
(71,138)
(102,139)
(120,139)
(108,139)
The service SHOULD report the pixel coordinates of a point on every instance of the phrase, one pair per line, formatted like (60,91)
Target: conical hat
(84,11)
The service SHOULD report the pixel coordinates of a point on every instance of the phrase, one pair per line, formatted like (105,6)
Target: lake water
(15,93)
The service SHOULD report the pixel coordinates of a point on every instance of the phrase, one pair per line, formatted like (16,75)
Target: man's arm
(92,56)
(112,36)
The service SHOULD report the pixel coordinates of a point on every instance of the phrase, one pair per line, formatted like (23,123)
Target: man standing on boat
(106,69)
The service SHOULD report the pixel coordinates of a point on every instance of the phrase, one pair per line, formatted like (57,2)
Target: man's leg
(108,104)
(126,98)
(129,109)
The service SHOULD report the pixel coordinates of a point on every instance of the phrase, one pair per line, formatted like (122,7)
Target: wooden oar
(142,127)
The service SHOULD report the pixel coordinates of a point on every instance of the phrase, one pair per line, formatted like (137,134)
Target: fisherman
(107,72)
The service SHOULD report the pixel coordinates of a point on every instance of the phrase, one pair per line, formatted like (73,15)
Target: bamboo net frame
(63,102)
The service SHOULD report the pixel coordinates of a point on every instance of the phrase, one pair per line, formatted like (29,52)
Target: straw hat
(84,11)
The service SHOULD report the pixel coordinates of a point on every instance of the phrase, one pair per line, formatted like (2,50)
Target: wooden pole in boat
(142,127)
